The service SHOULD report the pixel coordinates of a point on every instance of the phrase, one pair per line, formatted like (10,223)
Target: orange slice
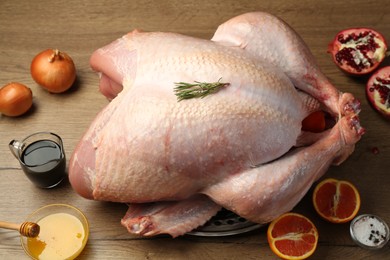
(336,201)
(315,122)
(292,236)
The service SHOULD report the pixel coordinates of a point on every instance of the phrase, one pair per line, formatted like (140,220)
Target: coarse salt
(370,231)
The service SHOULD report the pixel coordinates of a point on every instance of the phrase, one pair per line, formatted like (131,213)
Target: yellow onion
(15,99)
(53,70)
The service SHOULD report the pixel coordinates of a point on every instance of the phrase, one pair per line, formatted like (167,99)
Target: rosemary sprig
(184,90)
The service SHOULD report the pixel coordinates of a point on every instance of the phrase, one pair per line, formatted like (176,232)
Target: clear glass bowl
(53,209)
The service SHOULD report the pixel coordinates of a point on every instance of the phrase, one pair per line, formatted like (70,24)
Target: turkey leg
(263,193)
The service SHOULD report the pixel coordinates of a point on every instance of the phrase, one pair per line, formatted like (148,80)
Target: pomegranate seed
(375,150)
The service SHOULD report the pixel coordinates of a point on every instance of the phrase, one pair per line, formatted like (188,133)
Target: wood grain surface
(79,27)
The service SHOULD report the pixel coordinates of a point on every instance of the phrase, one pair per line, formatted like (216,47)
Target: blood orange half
(336,201)
(315,122)
(292,236)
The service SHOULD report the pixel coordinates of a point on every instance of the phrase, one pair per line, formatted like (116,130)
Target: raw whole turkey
(177,163)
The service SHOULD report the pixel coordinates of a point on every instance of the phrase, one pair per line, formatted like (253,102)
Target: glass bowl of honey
(64,232)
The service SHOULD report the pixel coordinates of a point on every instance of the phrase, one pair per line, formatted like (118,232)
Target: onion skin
(53,70)
(15,99)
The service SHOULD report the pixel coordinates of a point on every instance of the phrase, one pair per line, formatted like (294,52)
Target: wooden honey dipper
(27,229)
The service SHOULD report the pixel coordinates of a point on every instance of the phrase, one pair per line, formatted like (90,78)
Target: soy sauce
(44,163)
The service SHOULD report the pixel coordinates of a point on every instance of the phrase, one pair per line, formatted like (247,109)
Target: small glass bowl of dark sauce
(41,157)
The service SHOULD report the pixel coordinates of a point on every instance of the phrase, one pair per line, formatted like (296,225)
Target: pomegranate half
(358,51)
(378,91)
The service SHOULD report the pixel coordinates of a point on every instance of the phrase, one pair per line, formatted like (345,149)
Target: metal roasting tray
(225,223)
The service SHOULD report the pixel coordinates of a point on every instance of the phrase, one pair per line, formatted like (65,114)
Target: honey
(61,237)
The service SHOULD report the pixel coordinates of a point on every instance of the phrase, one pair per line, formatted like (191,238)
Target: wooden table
(79,27)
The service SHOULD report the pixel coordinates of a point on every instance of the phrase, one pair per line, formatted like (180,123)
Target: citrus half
(292,236)
(336,201)
(315,122)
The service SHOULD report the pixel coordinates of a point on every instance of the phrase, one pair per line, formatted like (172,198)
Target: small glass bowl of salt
(369,231)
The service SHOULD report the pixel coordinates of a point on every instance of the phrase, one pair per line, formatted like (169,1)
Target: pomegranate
(358,51)
(378,91)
